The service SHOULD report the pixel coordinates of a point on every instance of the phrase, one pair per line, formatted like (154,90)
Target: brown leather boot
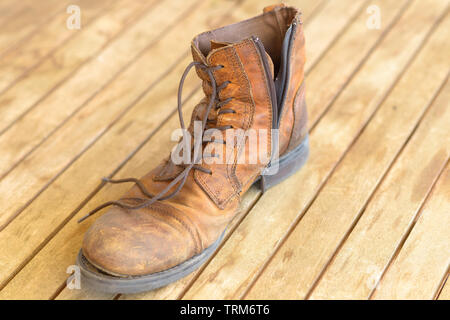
(174,218)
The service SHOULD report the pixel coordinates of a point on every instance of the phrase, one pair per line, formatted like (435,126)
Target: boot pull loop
(274,7)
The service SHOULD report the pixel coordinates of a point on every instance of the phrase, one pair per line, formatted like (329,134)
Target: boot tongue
(219,44)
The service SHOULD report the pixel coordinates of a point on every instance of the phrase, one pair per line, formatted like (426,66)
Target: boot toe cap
(137,242)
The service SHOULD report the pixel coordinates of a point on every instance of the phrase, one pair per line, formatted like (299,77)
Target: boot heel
(288,164)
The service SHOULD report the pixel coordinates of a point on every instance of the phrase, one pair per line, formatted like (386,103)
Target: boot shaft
(280,31)
(264,59)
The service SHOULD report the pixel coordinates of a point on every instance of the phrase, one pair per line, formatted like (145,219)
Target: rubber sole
(98,280)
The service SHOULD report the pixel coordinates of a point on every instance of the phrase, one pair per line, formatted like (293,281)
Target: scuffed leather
(138,242)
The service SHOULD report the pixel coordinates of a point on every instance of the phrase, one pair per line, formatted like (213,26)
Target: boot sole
(99,280)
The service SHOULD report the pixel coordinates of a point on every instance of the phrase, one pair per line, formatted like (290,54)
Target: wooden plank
(10,9)
(81,173)
(329,31)
(24,57)
(28,21)
(356,269)
(241,259)
(445,293)
(343,60)
(423,261)
(61,65)
(79,90)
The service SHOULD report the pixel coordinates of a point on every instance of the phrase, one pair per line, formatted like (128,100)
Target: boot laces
(181,178)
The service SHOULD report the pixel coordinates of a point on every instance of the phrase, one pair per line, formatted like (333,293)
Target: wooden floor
(368,217)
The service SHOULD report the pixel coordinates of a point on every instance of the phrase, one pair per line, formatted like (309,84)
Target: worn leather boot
(174,218)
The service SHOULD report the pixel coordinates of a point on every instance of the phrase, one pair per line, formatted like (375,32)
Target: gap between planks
(444,290)
(110,176)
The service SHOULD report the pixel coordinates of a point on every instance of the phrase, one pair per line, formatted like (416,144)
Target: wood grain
(355,270)
(176,290)
(49,37)
(35,88)
(301,259)
(26,21)
(423,262)
(10,9)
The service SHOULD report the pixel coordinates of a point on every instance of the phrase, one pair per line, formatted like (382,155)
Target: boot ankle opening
(269,27)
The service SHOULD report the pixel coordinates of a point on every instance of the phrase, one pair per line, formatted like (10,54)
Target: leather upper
(127,242)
